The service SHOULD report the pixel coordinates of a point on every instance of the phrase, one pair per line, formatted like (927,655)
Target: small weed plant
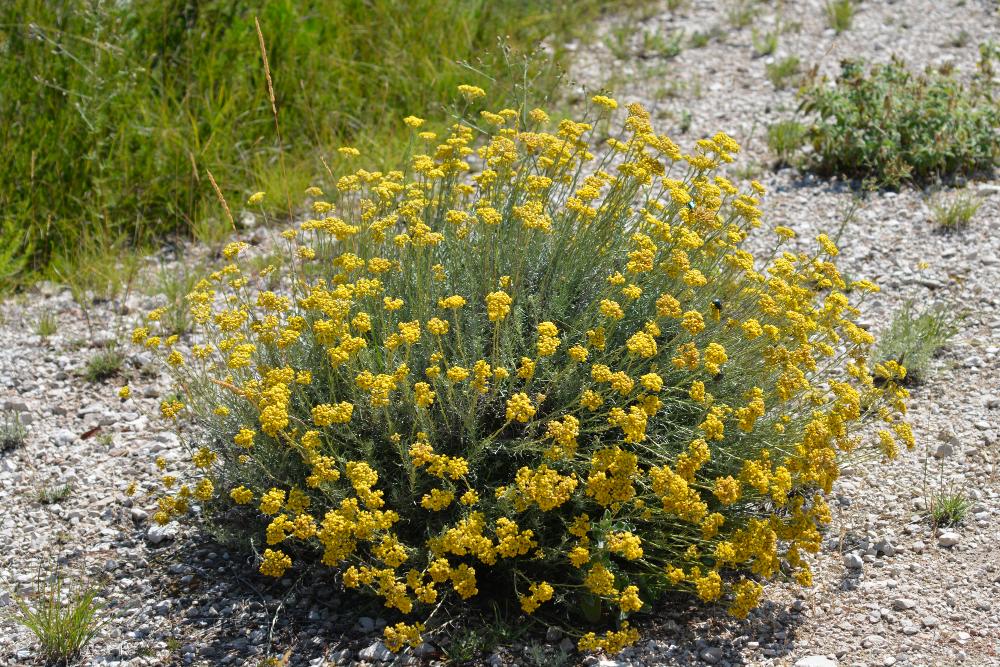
(887,123)
(840,14)
(915,336)
(12,431)
(949,508)
(561,383)
(46,324)
(952,212)
(49,495)
(62,619)
(784,138)
(103,365)
(784,72)
(765,42)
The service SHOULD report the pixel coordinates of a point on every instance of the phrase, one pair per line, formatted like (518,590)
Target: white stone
(949,538)
(853,561)
(815,661)
(376,652)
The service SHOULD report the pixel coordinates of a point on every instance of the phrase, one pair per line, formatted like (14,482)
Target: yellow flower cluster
(453,372)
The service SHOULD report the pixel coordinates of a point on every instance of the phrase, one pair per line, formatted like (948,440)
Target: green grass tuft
(46,324)
(12,431)
(953,212)
(103,365)
(785,137)
(63,629)
(914,337)
(840,14)
(784,72)
(949,508)
(49,495)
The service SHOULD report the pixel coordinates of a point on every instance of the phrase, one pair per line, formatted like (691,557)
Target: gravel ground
(888,588)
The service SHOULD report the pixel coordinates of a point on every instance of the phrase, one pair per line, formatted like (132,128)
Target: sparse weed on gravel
(765,42)
(175,283)
(954,211)
(64,619)
(840,14)
(104,364)
(12,431)
(784,139)
(948,508)
(46,324)
(658,44)
(915,336)
(701,38)
(48,495)
(740,13)
(784,72)
(888,123)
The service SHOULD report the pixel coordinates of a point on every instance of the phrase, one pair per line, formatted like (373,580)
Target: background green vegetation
(113,112)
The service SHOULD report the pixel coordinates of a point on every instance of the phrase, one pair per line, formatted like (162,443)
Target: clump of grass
(657,44)
(175,284)
(784,138)
(765,42)
(46,324)
(840,14)
(12,431)
(915,336)
(700,39)
(887,123)
(948,508)
(103,365)
(63,620)
(740,13)
(49,495)
(782,73)
(952,212)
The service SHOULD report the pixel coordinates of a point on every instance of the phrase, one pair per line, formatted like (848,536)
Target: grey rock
(366,624)
(943,450)
(884,546)
(711,655)
(853,561)
(158,534)
(918,547)
(63,437)
(949,538)
(902,604)
(553,634)
(375,652)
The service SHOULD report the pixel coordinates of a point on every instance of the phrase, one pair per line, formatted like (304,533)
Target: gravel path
(888,590)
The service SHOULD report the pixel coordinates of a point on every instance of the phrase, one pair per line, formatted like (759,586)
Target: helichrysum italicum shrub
(556,378)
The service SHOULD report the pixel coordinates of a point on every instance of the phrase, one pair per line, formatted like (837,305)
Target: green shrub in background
(113,113)
(890,124)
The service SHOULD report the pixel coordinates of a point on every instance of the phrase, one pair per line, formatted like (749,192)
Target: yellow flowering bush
(523,367)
